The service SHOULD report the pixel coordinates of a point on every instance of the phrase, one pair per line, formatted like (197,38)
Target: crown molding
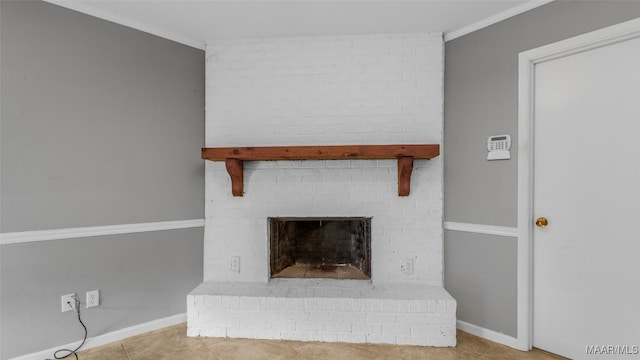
(495,19)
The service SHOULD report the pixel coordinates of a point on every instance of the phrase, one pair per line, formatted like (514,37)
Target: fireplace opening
(331,247)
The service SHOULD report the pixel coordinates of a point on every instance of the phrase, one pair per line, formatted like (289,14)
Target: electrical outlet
(68,302)
(235,264)
(407,266)
(93,298)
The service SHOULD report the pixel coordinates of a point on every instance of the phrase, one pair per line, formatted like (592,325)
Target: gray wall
(101,125)
(481,99)
(478,272)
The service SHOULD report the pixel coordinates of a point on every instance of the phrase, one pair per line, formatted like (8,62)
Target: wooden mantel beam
(235,156)
(343,152)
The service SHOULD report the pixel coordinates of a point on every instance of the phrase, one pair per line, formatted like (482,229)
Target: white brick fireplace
(342,90)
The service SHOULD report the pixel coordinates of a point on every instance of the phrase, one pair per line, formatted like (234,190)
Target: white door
(586,262)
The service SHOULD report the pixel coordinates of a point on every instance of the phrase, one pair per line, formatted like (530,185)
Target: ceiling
(197,22)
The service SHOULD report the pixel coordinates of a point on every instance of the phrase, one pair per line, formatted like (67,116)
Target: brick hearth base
(352,311)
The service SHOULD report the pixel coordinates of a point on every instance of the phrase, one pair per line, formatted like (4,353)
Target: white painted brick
(210,332)
(297,315)
(381,318)
(352,338)
(211,301)
(309,325)
(411,340)
(442,306)
(192,311)
(365,89)
(395,329)
(240,333)
(198,301)
(381,339)
(272,303)
(267,334)
(373,305)
(367,329)
(339,327)
(297,336)
(414,318)
(401,326)
(329,337)
(390,305)
(316,336)
(338,316)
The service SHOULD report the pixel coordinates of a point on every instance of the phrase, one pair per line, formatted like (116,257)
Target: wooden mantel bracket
(234,158)
(405,167)
(235,168)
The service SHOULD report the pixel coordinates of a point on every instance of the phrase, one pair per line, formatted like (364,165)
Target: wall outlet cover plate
(68,302)
(93,298)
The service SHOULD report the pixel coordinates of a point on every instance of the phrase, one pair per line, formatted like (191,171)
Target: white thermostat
(498,146)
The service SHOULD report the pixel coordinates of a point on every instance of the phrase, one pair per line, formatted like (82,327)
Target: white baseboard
(109,337)
(487,334)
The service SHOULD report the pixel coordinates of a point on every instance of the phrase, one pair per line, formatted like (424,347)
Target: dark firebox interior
(338,248)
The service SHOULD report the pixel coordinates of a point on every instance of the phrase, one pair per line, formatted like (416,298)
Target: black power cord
(74,351)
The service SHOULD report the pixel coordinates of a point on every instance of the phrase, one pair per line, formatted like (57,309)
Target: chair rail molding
(80,232)
(481,229)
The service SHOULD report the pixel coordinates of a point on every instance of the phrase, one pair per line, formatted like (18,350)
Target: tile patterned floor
(172,343)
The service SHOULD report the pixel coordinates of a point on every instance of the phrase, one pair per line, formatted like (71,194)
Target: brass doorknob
(542,222)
